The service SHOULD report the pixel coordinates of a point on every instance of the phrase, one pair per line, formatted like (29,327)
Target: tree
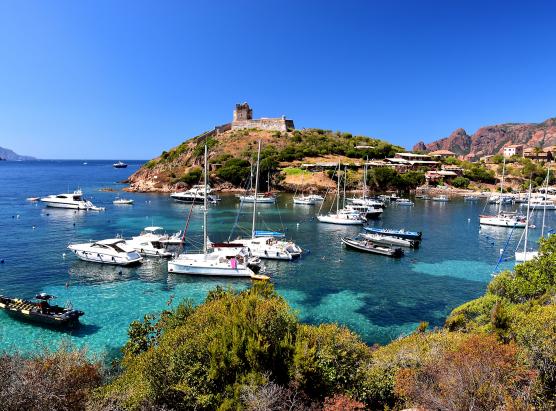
(234,170)
(460,182)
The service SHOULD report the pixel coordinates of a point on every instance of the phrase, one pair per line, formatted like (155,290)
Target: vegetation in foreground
(248,351)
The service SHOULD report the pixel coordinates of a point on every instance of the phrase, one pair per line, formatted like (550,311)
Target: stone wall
(274,124)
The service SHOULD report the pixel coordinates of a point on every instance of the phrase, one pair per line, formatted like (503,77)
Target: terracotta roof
(442,153)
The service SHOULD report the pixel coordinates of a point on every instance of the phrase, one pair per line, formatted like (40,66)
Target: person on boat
(233,263)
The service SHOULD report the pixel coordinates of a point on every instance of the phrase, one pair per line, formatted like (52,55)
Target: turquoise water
(378,297)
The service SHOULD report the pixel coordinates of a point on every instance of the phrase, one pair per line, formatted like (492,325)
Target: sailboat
(261,245)
(230,262)
(342,216)
(503,218)
(530,255)
(303,199)
(368,207)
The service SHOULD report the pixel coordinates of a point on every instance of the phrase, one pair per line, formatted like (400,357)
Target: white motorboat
(152,242)
(441,199)
(73,200)
(193,196)
(316,197)
(261,198)
(123,201)
(119,164)
(365,210)
(112,251)
(390,240)
(304,200)
(370,202)
(539,203)
(211,262)
(404,202)
(469,197)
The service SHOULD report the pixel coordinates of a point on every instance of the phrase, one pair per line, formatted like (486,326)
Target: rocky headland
(491,139)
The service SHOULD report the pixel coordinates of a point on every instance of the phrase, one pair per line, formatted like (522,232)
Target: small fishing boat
(422,197)
(123,201)
(372,247)
(119,164)
(40,312)
(411,235)
(390,240)
(441,199)
(404,202)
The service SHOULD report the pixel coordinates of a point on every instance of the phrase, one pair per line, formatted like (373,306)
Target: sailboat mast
(527,223)
(501,186)
(345,179)
(256,192)
(545,198)
(205,206)
(338,194)
(365,179)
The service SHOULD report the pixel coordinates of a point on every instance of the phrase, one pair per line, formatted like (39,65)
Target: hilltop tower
(243,112)
(243,119)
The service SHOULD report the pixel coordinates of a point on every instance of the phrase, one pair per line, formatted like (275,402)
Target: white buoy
(468,220)
(17,216)
(63,255)
(33,227)
(501,251)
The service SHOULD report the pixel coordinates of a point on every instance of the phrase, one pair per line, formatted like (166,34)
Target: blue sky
(128,79)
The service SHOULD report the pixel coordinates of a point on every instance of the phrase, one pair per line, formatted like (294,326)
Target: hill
(490,139)
(7,154)
(232,151)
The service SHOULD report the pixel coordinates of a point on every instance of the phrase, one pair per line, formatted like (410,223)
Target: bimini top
(263,233)
(152,229)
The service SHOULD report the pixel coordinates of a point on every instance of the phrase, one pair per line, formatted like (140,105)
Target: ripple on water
(464,269)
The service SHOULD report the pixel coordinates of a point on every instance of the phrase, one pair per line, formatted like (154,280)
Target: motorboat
(151,242)
(111,251)
(158,234)
(41,311)
(469,197)
(316,197)
(73,200)
(391,240)
(304,200)
(119,164)
(193,196)
(365,210)
(411,235)
(123,201)
(441,199)
(539,203)
(504,219)
(269,248)
(372,247)
(229,262)
(342,217)
(260,198)
(404,202)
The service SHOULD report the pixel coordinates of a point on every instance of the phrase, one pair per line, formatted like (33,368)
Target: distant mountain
(490,139)
(7,154)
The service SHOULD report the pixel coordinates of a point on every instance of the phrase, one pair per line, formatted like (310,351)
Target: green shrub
(193,176)
(235,170)
(460,182)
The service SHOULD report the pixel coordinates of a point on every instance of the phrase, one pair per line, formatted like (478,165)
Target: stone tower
(243,112)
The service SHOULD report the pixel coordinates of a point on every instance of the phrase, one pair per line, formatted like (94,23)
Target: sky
(128,79)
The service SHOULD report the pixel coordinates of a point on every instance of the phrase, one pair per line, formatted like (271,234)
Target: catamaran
(229,262)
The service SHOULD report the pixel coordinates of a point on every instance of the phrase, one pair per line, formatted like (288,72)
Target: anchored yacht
(73,200)
(112,251)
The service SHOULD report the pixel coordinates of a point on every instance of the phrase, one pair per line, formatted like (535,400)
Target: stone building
(243,119)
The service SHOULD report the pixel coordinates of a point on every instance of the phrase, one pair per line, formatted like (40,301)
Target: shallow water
(378,297)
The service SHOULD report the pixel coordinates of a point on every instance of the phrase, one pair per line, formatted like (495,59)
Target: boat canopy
(152,229)
(264,233)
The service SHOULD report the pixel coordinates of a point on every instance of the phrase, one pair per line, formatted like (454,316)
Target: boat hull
(409,235)
(338,221)
(497,222)
(100,258)
(208,269)
(373,248)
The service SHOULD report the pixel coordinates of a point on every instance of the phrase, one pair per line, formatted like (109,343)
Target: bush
(480,373)
(460,182)
(234,170)
(193,176)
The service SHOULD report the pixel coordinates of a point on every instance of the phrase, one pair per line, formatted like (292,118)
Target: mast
(345,179)
(365,179)
(501,186)
(527,223)
(256,192)
(545,198)
(205,206)
(338,194)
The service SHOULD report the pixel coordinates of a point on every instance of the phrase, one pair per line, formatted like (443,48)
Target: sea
(377,297)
